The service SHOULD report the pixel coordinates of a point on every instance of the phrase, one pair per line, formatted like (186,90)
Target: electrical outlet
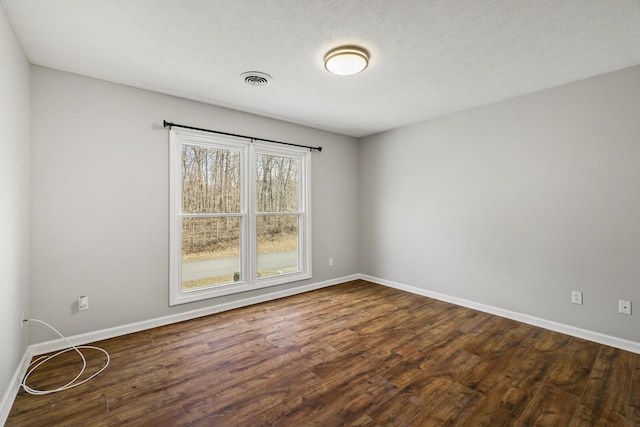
(576,297)
(330,261)
(624,307)
(83,303)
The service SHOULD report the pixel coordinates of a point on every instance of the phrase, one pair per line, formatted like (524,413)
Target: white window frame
(248,244)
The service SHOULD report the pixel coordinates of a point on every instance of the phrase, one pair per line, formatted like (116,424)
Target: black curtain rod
(170,125)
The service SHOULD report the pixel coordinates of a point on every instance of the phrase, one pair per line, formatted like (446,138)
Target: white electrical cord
(44,359)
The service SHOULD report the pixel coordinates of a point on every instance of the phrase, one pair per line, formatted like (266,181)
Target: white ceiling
(428,58)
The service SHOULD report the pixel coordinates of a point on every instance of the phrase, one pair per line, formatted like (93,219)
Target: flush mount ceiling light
(346,60)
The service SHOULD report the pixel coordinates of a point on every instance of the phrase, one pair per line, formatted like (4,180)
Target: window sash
(248,215)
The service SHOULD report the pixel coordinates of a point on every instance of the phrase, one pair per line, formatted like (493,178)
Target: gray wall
(14,199)
(515,204)
(511,205)
(99,218)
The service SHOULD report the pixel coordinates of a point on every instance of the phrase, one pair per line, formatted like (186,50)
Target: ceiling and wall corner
(100,197)
(515,204)
(428,59)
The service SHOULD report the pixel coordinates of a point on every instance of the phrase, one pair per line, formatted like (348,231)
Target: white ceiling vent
(256,78)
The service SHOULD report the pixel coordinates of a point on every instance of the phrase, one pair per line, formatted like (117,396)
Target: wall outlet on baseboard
(576,297)
(624,307)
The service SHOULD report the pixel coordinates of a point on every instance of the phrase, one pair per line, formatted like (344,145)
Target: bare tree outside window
(210,185)
(277,218)
(240,216)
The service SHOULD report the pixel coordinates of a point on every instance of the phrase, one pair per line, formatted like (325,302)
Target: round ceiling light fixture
(346,60)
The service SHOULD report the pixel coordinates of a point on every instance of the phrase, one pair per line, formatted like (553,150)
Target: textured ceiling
(428,57)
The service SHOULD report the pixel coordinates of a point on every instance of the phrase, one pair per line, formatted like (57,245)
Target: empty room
(332,212)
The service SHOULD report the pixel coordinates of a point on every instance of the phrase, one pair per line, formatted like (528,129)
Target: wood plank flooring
(355,354)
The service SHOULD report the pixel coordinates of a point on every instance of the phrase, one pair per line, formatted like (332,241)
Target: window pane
(210,252)
(276,183)
(210,180)
(277,244)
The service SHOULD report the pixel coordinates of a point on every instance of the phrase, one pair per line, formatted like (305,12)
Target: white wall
(14,199)
(515,204)
(99,221)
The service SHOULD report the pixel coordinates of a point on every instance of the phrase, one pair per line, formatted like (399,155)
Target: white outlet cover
(624,307)
(576,297)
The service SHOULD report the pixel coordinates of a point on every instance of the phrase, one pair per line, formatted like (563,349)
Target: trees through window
(239,215)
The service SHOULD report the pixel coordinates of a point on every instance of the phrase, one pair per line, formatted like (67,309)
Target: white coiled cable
(44,359)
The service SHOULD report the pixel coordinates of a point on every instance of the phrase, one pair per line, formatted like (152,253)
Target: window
(240,216)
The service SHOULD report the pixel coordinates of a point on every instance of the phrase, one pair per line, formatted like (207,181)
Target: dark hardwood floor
(354,354)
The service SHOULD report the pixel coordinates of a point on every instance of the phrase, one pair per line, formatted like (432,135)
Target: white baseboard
(524,318)
(14,386)
(55,345)
(59,344)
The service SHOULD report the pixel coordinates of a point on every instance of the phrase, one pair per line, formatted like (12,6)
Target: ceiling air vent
(256,78)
